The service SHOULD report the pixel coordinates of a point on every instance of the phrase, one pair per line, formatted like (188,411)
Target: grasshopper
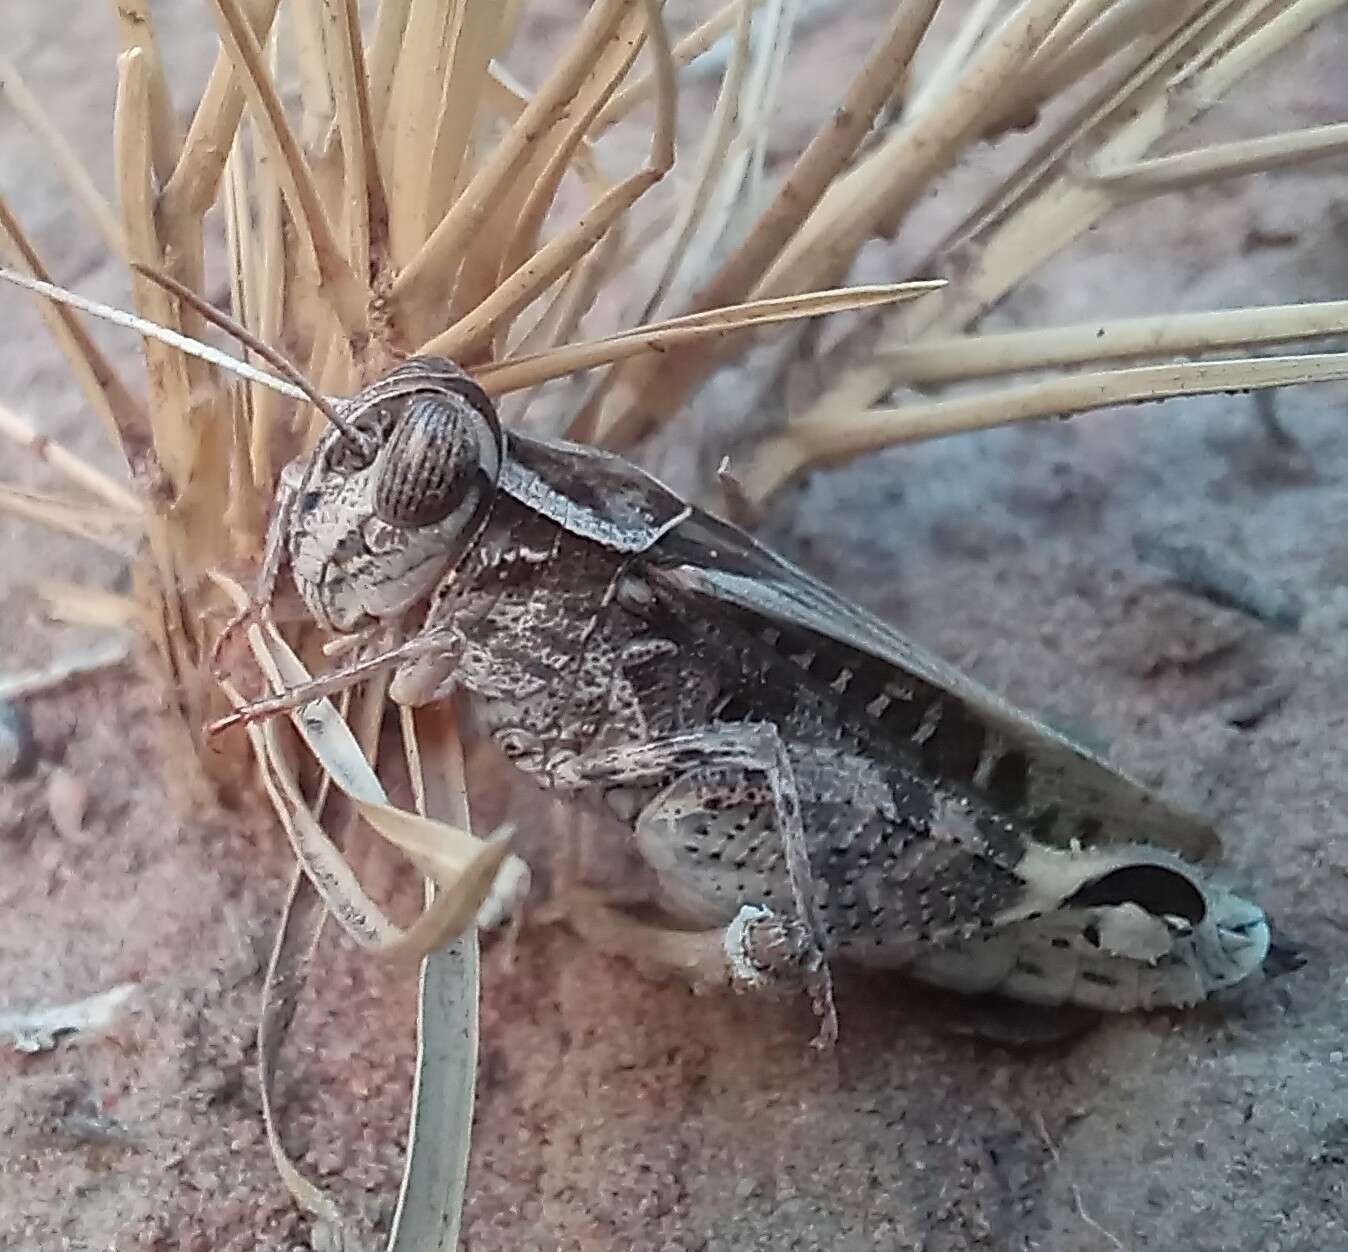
(807,785)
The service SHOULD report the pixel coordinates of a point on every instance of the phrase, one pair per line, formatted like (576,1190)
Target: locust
(806,784)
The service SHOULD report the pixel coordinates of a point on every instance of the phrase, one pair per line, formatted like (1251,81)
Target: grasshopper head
(391,503)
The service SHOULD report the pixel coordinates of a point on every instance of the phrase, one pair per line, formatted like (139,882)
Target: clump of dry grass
(412,201)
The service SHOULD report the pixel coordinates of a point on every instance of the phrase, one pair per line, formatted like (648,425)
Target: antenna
(152,330)
(293,385)
(275,359)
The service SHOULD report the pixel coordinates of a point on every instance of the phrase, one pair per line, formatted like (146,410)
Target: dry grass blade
(176,390)
(832,439)
(511,233)
(288,973)
(316,87)
(892,177)
(557,256)
(975,356)
(462,866)
(638,398)
(87,606)
(738,184)
(1195,63)
(191,188)
(104,390)
(559,154)
(135,29)
(710,159)
(718,323)
(337,283)
(62,298)
(390,23)
(367,211)
(114,529)
(436,99)
(64,462)
(430,1200)
(1226,160)
(443,250)
(943,75)
(683,53)
(76,177)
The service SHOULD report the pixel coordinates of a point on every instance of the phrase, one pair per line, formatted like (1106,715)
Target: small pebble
(67,802)
(18,751)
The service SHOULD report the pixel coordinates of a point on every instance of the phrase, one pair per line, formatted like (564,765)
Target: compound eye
(439,454)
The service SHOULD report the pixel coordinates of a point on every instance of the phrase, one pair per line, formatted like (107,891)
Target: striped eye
(426,467)
(443,455)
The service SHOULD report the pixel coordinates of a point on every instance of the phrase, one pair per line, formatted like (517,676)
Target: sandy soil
(615,1113)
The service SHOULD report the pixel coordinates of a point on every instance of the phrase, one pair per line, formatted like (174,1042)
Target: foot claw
(766,952)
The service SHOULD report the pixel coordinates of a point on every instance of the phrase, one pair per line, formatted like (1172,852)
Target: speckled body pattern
(566,651)
(588,613)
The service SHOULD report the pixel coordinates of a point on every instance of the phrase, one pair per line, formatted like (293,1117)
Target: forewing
(1058,788)
(590,493)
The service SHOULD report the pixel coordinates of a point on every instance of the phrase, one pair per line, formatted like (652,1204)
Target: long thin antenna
(277,360)
(152,330)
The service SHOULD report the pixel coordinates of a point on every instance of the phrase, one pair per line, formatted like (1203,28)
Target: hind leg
(758,948)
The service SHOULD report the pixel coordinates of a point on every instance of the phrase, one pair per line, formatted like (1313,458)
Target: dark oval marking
(1159,890)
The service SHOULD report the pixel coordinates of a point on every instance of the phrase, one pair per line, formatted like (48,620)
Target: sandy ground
(615,1113)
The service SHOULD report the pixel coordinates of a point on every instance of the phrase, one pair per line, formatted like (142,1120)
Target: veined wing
(963,732)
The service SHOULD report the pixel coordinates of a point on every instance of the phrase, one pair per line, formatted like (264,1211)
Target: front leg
(761,949)
(434,646)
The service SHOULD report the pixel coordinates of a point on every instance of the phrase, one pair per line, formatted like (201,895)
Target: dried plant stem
(339,286)
(842,437)
(98,380)
(135,29)
(683,53)
(191,188)
(1134,75)
(15,92)
(1064,207)
(974,356)
(721,128)
(1226,160)
(446,51)
(511,234)
(895,174)
(174,414)
(110,528)
(943,75)
(659,337)
(443,250)
(568,137)
(813,173)
(317,103)
(558,255)
(389,25)
(365,202)
(1115,28)
(65,462)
